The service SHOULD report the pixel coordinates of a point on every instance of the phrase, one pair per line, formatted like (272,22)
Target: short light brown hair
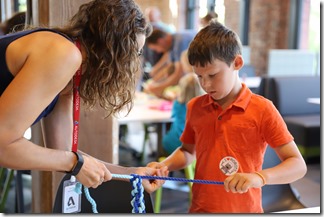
(215,41)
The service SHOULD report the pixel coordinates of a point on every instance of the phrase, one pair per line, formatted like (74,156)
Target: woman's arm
(57,126)
(44,65)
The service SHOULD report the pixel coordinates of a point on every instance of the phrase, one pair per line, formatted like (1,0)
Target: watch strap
(77,167)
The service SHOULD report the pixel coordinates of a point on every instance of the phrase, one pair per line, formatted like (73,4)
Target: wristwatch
(77,167)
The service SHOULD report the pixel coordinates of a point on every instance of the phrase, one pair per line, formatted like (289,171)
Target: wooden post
(41,181)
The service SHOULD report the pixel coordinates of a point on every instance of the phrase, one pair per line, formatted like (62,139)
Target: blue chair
(278,197)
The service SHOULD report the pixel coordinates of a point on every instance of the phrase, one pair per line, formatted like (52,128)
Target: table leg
(161,131)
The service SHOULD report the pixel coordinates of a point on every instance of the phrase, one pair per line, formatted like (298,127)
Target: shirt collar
(241,101)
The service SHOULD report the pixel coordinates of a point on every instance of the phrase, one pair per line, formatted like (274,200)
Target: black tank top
(6,76)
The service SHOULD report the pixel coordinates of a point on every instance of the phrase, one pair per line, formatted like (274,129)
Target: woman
(36,71)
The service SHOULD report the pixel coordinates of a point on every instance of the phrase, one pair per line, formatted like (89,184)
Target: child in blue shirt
(188,88)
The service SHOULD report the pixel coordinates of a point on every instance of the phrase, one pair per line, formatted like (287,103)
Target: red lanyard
(76,105)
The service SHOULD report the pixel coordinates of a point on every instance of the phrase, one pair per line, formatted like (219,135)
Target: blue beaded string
(91,200)
(120,176)
(183,180)
(78,189)
(137,193)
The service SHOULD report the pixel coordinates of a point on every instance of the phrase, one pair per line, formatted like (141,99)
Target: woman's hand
(155,165)
(152,185)
(93,173)
(241,182)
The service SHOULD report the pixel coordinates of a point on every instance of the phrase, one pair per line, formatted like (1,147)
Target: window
(314,26)
(21,5)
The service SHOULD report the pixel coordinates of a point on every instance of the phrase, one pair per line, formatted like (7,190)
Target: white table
(142,113)
(251,82)
(314,100)
(305,210)
(146,111)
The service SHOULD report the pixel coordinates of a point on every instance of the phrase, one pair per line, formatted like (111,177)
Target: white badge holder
(71,202)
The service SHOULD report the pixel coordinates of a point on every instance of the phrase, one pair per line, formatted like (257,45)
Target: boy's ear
(238,62)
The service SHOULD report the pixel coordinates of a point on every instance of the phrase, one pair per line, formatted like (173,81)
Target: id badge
(71,201)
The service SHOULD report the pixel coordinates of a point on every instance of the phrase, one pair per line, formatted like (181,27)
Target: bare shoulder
(43,47)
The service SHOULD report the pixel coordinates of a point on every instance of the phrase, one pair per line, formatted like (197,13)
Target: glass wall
(314,26)
(21,5)
(8,8)
(314,37)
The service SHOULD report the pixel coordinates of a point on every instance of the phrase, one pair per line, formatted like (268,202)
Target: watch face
(229,165)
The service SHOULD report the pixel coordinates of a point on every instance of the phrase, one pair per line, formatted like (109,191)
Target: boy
(227,131)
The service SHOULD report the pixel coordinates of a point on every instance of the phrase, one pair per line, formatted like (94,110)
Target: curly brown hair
(108,31)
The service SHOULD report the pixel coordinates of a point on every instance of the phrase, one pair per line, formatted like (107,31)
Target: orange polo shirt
(240,132)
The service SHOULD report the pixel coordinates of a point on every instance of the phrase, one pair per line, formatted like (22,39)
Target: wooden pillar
(41,181)
(97,136)
(269,29)
(38,12)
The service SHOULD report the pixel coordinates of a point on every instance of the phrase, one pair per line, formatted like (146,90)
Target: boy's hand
(241,182)
(152,185)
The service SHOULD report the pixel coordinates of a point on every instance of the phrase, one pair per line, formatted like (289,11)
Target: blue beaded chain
(137,193)
(183,180)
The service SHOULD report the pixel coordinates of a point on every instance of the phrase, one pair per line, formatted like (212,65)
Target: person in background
(171,93)
(171,45)
(153,14)
(188,88)
(207,18)
(227,131)
(151,57)
(14,24)
(103,41)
